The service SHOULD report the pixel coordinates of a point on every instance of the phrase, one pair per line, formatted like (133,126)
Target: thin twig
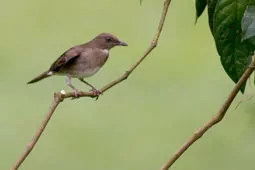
(216,119)
(59,97)
(30,146)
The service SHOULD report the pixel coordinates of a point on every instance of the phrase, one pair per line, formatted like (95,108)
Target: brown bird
(83,61)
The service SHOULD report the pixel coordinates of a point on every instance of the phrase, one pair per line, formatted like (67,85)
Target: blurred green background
(136,125)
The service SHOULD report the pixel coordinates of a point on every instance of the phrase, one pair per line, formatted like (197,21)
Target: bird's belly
(84,73)
(90,72)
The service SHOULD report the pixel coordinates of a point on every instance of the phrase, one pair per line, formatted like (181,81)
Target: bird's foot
(96,92)
(76,94)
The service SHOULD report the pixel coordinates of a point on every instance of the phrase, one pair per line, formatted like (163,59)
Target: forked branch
(59,97)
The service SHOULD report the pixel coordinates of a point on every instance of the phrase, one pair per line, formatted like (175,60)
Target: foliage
(232,29)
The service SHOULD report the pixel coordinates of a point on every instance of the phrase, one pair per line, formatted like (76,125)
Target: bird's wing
(66,57)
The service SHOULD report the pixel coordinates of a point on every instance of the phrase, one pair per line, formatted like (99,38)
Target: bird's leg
(68,82)
(94,90)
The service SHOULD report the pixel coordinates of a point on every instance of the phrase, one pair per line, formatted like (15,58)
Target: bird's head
(107,41)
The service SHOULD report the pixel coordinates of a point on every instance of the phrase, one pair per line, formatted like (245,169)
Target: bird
(81,61)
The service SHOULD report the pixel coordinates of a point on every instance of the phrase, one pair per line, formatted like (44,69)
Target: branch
(59,97)
(216,119)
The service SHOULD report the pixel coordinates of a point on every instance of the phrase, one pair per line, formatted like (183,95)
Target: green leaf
(211,4)
(248,22)
(227,34)
(200,7)
(251,2)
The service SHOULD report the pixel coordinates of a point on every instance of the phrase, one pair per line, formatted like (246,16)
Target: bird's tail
(41,76)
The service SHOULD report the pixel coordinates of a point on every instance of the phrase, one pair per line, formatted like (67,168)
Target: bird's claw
(96,93)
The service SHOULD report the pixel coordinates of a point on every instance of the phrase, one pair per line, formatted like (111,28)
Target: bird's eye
(108,39)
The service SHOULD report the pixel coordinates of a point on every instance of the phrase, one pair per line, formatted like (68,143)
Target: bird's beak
(123,43)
